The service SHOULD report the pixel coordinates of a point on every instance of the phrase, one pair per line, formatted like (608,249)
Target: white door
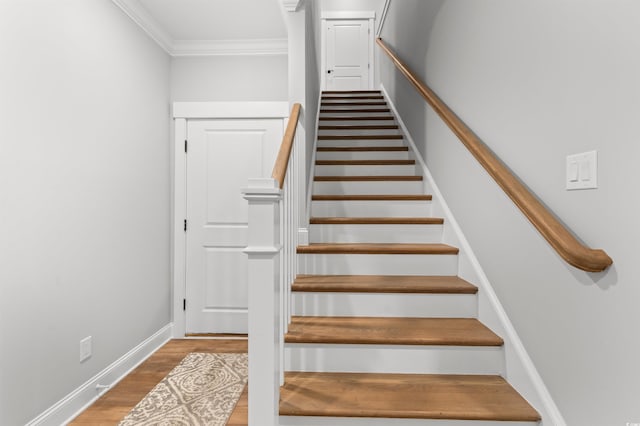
(348,62)
(222,155)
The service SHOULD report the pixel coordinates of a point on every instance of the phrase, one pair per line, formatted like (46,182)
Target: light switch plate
(85,348)
(582,171)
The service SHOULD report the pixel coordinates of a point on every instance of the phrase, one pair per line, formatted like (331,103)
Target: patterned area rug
(202,390)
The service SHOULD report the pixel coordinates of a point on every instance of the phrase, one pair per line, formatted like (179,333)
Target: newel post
(263,249)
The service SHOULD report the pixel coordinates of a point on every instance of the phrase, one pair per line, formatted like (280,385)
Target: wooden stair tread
(357,118)
(359,137)
(376,221)
(398,178)
(359,127)
(391,331)
(376,248)
(361,148)
(357,103)
(365,162)
(421,396)
(352,97)
(350,110)
(383,284)
(373,197)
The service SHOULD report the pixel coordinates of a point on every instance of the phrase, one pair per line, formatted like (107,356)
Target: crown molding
(144,20)
(140,16)
(292,5)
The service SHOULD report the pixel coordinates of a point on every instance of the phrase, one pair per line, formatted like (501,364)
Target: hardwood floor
(117,402)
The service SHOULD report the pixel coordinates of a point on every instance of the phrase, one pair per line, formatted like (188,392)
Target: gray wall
(229,78)
(84,190)
(538,81)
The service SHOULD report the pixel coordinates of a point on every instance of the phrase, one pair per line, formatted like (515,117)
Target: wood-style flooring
(421,396)
(117,402)
(391,331)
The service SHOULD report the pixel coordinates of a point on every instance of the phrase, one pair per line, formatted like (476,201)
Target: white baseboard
(521,372)
(312,166)
(80,399)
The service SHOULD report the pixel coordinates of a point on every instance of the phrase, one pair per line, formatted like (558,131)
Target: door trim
(183,112)
(369,15)
(349,14)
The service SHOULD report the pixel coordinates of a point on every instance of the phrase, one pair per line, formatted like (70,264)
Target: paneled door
(221,156)
(348,62)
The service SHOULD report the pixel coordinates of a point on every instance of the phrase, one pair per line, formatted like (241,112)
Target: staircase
(383,331)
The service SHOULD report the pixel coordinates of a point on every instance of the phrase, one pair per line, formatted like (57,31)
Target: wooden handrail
(561,239)
(282,161)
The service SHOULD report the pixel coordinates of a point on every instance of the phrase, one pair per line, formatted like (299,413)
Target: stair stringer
(519,369)
(303,234)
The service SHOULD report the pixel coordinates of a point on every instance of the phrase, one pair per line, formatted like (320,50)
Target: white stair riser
(378,264)
(366,170)
(349,103)
(351,107)
(362,155)
(367,187)
(353,99)
(365,421)
(400,359)
(330,103)
(375,233)
(355,208)
(363,122)
(359,132)
(350,95)
(339,112)
(360,142)
(385,305)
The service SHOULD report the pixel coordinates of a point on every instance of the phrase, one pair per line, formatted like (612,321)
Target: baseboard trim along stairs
(384,331)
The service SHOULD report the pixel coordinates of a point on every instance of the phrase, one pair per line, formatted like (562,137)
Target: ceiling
(218,19)
(194,27)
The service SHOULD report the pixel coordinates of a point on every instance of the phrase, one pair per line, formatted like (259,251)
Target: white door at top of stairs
(347,52)
(222,156)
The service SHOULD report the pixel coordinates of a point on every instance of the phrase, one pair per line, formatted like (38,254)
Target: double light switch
(582,170)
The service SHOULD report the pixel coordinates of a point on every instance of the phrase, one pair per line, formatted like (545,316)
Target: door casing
(347,15)
(182,113)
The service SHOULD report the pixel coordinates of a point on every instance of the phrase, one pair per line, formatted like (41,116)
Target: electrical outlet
(85,348)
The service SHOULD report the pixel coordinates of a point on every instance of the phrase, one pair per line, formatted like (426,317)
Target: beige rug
(202,390)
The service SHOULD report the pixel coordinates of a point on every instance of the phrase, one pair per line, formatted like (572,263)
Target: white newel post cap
(262,189)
